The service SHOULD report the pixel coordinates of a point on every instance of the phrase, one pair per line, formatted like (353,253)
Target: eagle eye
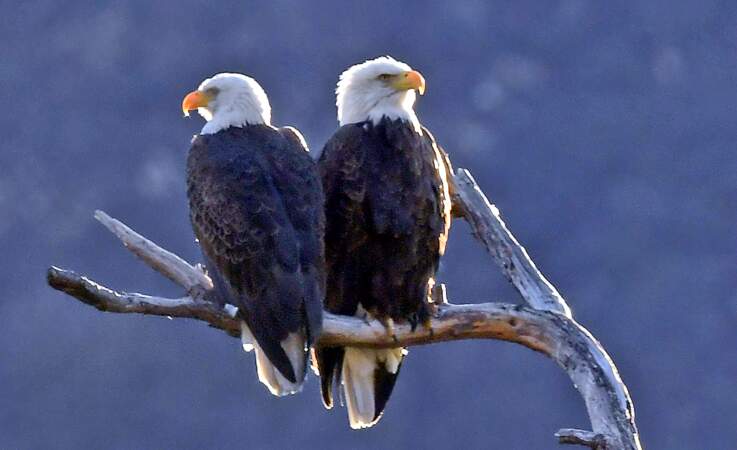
(384,76)
(212,92)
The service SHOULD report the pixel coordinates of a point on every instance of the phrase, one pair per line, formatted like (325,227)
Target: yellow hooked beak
(411,79)
(194,100)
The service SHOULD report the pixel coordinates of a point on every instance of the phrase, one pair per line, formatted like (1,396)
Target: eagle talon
(413,321)
(388,324)
(427,325)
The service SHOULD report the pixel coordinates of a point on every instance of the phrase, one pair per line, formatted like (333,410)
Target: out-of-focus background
(604,131)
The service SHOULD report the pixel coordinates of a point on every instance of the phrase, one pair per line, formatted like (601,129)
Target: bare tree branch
(106,299)
(523,325)
(546,326)
(581,437)
(489,228)
(163,261)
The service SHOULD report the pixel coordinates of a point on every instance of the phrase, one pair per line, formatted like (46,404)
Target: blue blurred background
(604,131)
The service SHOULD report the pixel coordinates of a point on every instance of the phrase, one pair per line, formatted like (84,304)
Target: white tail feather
(358,381)
(269,375)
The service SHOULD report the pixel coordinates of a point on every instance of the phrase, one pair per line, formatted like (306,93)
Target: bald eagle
(388,213)
(256,207)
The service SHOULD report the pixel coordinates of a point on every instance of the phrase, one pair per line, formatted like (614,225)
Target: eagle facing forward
(388,212)
(256,207)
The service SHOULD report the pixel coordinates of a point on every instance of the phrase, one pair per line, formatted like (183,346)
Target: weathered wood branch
(489,228)
(105,299)
(532,328)
(582,437)
(163,261)
(545,326)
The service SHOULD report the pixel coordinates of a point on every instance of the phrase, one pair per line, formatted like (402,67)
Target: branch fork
(545,324)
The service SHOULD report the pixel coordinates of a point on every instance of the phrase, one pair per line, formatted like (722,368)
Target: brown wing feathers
(256,208)
(387,221)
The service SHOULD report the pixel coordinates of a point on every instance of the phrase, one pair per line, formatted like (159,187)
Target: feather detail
(368,380)
(268,375)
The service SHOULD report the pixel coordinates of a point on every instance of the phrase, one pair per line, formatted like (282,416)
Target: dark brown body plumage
(256,207)
(388,214)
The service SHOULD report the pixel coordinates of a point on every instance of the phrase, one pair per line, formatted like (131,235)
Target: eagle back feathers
(256,209)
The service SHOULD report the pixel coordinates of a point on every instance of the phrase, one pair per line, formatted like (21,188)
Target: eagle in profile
(388,213)
(256,206)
